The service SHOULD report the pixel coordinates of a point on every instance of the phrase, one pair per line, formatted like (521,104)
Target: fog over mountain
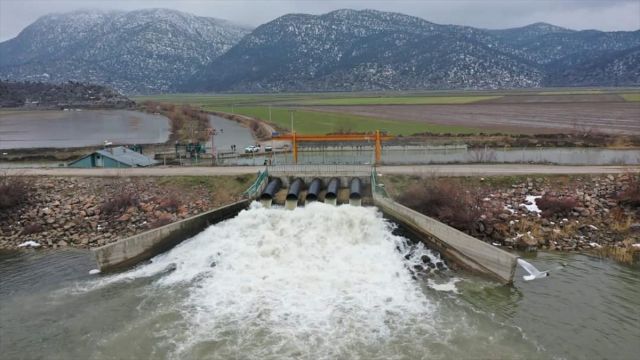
(159,50)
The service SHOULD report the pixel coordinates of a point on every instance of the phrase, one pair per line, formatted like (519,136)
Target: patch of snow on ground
(531,199)
(29,243)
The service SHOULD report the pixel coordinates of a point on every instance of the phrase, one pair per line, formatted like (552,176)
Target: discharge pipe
(355,192)
(294,189)
(272,188)
(331,196)
(292,194)
(314,190)
(355,189)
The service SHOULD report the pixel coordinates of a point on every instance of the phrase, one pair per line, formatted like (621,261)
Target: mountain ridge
(160,50)
(138,51)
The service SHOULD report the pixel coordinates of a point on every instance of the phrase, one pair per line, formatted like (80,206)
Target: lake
(64,129)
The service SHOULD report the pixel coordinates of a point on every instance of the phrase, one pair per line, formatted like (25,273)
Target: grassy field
(317,122)
(631,96)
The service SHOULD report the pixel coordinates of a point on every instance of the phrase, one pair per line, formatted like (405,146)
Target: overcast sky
(15,15)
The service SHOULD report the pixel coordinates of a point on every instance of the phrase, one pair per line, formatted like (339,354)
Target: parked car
(251,149)
(268,148)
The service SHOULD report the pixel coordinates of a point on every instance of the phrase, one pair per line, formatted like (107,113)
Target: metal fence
(320,170)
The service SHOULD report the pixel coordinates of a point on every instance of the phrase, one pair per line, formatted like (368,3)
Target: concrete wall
(130,251)
(456,246)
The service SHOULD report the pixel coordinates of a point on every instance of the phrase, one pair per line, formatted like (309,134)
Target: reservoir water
(62,129)
(319,282)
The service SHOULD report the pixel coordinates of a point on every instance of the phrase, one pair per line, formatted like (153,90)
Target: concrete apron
(457,247)
(132,250)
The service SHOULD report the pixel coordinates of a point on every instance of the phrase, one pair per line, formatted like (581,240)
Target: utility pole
(291,114)
(212,133)
(269,112)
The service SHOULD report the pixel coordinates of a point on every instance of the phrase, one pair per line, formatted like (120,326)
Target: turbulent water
(319,282)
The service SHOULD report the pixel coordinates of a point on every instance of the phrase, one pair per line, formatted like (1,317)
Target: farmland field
(530,111)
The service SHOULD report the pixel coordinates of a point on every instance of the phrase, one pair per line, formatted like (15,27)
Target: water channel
(319,282)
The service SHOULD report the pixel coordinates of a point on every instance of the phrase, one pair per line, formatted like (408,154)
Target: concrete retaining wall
(130,251)
(456,246)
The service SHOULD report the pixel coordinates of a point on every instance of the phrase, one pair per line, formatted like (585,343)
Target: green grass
(319,122)
(631,97)
(407,100)
(316,122)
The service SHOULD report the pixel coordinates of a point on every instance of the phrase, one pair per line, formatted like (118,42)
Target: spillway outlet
(331,201)
(291,204)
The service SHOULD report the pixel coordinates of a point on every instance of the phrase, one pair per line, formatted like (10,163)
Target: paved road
(440,170)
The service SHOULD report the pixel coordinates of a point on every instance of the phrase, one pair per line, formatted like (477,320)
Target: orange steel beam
(295,138)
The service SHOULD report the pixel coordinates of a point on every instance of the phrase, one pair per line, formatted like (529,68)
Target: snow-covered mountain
(135,52)
(163,51)
(372,50)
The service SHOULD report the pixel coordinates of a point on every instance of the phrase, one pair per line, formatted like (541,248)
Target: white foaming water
(318,282)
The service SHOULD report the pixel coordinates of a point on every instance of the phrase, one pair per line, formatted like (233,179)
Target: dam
(316,281)
(333,185)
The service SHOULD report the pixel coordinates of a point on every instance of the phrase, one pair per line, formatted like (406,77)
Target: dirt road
(440,170)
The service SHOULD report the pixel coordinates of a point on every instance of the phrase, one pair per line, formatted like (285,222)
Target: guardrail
(256,188)
(377,187)
(320,170)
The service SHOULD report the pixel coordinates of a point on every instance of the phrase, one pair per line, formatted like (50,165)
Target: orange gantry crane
(295,138)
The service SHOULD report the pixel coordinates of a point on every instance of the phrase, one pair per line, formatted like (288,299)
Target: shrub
(13,191)
(170,204)
(119,203)
(631,196)
(447,202)
(31,228)
(553,205)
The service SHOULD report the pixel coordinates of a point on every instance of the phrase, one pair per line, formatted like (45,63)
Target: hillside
(143,51)
(67,95)
(370,50)
(157,50)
